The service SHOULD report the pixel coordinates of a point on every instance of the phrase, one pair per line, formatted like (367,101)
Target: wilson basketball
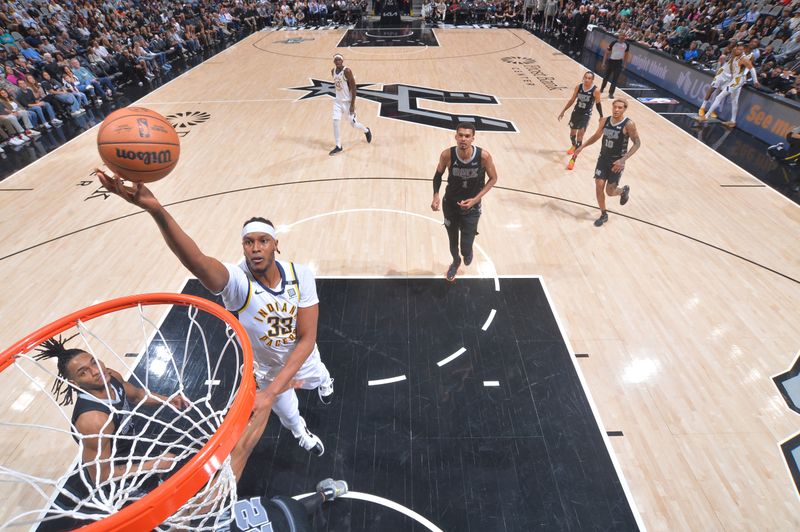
(138,144)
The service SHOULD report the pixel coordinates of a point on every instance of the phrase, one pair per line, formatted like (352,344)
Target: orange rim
(152,509)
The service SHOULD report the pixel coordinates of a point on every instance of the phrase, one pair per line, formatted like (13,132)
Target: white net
(189,369)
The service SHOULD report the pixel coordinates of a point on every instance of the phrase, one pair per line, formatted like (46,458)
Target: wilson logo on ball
(147,157)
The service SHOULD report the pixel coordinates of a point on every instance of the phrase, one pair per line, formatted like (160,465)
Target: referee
(616,57)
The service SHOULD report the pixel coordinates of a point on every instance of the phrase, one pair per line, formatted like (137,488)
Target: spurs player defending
(345,102)
(276,302)
(742,65)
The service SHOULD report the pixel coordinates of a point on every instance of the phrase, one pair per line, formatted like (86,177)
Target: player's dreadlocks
(54,348)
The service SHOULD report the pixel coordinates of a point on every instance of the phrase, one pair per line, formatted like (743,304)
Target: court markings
(595,411)
(487,267)
(357,495)
(452,357)
(522,42)
(572,355)
(266,100)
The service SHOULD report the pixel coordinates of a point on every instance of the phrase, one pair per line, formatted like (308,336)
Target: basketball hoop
(199,438)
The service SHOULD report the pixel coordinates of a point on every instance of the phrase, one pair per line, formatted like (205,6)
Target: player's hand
(263,403)
(561,115)
(618,165)
(577,152)
(138,194)
(467,203)
(164,462)
(180,402)
(264,398)
(435,203)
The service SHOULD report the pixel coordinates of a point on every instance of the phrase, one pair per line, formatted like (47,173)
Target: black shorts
(578,120)
(603,170)
(455,216)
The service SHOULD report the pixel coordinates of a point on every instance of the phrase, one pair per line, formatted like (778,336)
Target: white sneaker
(24,138)
(56,122)
(308,441)
(32,133)
(332,489)
(16,141)
(325,391)
(47,125)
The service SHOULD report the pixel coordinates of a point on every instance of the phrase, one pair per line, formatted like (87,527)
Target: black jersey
(276,514)
(615,140)
(465,179)
(123,424)
(584,100)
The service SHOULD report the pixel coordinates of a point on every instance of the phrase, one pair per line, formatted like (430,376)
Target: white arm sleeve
(235,292)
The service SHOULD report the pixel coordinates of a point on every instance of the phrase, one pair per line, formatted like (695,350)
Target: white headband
(258,227)
(340,56)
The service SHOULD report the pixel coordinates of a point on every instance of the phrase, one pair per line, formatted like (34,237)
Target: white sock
(717,101)
(734,107)
(356,124)
(337,133)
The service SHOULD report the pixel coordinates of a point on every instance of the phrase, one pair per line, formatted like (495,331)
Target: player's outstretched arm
(307,318)
(591,140)
(255,428)
(211,272)
(136,395)
(98,438)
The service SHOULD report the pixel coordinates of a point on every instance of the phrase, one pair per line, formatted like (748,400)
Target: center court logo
(294,40)
(401,102)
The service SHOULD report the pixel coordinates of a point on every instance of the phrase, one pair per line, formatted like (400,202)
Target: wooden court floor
(686,302)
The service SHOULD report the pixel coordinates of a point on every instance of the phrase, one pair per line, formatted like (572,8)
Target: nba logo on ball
(144,127)
(138,144)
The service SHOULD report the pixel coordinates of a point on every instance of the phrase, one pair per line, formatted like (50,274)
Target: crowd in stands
(58,57)
(493,12)
(702,32)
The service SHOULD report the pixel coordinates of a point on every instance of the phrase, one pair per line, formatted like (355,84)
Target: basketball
(138,144)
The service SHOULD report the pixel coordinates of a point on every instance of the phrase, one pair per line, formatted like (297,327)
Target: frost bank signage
(766,117)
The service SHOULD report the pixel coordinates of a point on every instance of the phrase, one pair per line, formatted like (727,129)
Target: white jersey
(342,88)
(740,75)
(269,314)
(729,68)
